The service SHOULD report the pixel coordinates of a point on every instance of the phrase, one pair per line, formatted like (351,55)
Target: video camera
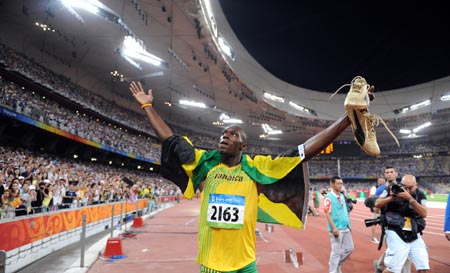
(349,202)
(373,221)
(370,202)
(397,188)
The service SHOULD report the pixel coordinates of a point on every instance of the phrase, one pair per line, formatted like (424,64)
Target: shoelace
(348,84)
(374,120)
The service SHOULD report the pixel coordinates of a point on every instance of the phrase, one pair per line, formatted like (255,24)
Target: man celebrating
(238,190)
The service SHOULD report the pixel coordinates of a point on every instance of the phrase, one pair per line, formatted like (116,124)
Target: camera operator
(390,174)
(404,211)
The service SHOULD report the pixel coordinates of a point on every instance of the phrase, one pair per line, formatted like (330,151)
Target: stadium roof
(299,51)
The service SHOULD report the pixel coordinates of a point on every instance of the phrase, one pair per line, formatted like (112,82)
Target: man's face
(409,184)
(380,181)
(337,185)
(232,141)
(390,174)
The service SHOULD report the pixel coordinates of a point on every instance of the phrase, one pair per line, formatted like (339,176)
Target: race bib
(407,225)
(226,211)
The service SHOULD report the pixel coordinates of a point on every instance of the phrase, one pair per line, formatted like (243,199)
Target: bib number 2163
(226,211)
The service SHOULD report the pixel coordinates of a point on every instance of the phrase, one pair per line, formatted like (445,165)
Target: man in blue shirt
(391,176)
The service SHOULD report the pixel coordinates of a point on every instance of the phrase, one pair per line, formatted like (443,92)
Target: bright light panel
(224,116)
(445,97)
(421,127)
(269,130)
(405,131)
(275,132)
(134,50)
(135,64)
(89,5)
(273,97)
(232,120)
(296,106)
(420,104)
(193,103)
(225,47)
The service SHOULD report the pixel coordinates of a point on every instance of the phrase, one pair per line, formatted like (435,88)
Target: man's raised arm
(161,129)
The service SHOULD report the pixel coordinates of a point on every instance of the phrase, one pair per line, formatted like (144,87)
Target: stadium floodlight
(92,6)
(412,107)
(420,104)
(405,131)
(269,96)
(223,45)
(224,116)
(232,120)
(275,132)
(269,130)
(193,103)
(141,56)
(296,106)
(135,50)
(131,61)
(445,97)
(421,127)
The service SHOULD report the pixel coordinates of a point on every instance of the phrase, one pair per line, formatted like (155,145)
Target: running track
(168,243)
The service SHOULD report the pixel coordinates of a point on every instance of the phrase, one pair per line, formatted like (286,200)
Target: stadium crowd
(33,182)
(23,173)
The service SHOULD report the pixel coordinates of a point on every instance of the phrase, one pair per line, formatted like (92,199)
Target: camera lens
(371,222)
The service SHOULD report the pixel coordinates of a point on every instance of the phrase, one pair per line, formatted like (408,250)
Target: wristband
(146,105)
(412,200)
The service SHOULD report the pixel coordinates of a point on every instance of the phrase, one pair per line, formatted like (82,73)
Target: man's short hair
(334,178)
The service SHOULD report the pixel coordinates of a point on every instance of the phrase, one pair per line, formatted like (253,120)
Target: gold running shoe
(363,123)
(357,97)
(363,127)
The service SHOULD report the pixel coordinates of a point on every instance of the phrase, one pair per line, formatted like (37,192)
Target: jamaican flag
(283,181)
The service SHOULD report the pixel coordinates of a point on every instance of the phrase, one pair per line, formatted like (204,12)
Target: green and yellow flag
(282,181)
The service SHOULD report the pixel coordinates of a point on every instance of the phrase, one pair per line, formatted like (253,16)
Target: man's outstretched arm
(161,129)
(317,143)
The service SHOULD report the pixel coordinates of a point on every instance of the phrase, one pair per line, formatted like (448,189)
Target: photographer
(390,174)
(404,211)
